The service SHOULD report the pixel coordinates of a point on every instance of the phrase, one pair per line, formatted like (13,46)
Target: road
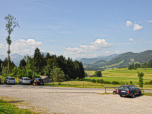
(95,90)
(49,100)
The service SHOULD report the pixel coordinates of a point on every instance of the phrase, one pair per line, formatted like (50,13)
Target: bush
(77,79)
(106,82)
(59,83)
(101,80)
(115,82)
(148,83)
(98,80)
(93,80)
(131,83)
(81,79)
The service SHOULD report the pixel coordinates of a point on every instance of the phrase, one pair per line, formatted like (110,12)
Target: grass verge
(7,108)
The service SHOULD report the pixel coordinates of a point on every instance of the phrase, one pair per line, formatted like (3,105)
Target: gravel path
(79,101)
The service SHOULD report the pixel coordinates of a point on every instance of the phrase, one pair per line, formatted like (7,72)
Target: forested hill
(123,60)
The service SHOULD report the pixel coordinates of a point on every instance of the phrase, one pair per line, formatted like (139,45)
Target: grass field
(8,108)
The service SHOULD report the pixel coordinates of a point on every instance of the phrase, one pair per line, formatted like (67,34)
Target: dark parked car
(39,81)
(129,90)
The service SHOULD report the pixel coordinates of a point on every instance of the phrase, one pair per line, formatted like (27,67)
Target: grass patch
(7,108)
(147,94)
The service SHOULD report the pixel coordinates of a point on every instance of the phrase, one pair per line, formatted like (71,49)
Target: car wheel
(114,92)
(21,83)
(120,95)
(133,95)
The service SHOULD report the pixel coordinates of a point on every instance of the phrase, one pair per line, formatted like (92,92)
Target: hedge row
(104,82)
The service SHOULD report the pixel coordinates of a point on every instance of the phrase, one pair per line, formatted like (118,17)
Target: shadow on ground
(18,101)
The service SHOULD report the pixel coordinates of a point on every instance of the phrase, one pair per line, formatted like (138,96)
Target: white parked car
(9,80)
(24,80)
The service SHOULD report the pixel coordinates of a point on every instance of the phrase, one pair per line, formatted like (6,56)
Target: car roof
(10,77)
(128,85)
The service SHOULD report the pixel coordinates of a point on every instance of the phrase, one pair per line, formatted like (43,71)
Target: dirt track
(76,101)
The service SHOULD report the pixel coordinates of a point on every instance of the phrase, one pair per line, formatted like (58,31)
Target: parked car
(24,80)
(129,90)
(9,80)
(39,81)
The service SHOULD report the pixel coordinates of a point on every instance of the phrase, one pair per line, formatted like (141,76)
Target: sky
(77,28)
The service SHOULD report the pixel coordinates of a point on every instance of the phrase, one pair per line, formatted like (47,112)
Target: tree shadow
(18,101)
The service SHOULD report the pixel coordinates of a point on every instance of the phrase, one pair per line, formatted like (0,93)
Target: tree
(11,24)
(51,64)
(98,73)
(140,76)
(22,64)
(58,75)
(37,59)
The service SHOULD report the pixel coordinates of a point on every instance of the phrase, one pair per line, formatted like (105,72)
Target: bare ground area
(75,101)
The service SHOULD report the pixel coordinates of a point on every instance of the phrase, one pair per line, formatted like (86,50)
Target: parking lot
(74,100)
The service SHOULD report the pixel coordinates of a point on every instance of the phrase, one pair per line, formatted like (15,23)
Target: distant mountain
(93,60)
(122,60)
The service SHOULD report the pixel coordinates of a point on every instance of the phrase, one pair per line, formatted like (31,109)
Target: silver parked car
(24,80)
(9,80)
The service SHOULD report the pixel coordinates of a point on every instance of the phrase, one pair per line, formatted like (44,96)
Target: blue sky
(78,28)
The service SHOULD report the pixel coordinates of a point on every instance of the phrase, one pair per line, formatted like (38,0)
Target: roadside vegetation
(8,108)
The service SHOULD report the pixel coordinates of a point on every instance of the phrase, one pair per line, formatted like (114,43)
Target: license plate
(41,83)
(123,91)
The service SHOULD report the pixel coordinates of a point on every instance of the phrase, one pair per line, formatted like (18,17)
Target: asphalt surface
(50,100)
(98,90)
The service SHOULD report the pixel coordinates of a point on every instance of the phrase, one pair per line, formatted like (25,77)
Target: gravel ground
(79,101)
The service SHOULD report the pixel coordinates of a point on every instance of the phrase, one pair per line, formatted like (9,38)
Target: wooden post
(83,85)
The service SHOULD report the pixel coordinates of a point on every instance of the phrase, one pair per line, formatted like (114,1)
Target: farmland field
(123,75)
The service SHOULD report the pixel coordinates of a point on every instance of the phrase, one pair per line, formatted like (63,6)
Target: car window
(124,88)
(40,79)
(132,87)
(26,79)
(11,78)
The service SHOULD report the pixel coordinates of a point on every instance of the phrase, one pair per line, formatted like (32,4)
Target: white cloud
(2,46)
(22,46)
(117,51)
(128,23)
(107,53)
(96,45)
(150,21)
(137,27)
(130,39)
(145,41)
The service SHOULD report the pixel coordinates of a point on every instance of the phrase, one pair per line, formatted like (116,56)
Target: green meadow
(122,74)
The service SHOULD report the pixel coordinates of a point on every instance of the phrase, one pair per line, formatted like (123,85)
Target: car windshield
(124,88)
(11,78)
(26,79)
(40,79)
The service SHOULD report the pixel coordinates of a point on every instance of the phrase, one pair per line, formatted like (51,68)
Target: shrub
(81,79)
(77,79)
(131,82)
(115,82)
(98,80)
(59,83)
(106,82)
(93,80)
(101,81)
